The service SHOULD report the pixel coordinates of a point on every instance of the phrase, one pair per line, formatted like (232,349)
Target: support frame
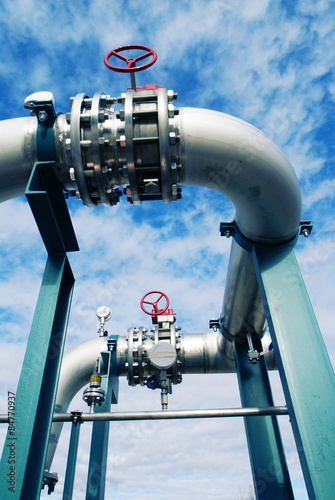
(304,366)
(37,387)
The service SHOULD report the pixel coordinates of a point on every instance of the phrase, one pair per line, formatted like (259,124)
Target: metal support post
(28,434)
(96,478)
(72,456)
(305,369)
(267,457)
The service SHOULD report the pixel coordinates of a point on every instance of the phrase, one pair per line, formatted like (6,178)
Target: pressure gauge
(104,313)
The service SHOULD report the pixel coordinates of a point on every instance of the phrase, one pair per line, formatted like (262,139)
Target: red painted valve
(154,303)
(131,62)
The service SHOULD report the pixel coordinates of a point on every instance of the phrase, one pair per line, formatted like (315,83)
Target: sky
(270,63)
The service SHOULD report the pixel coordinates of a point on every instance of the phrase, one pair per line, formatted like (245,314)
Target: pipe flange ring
(77,162)
(96,148)
(129,133)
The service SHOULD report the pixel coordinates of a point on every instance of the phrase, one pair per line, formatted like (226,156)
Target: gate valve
(131,61)
(158,310)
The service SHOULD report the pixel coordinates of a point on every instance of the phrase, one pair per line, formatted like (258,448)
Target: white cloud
(253,60)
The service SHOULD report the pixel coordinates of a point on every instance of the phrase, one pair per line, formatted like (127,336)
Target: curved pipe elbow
(77,367)
(228,155)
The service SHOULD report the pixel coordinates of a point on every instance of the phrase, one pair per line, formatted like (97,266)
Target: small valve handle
(156,311)
(131,62)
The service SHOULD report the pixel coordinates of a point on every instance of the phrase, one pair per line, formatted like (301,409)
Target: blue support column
(97,468)
(28,435)
(304,366)
(72,457)
(267,457)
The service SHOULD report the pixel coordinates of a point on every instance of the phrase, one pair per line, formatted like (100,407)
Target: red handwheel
(154,303)
(131,62)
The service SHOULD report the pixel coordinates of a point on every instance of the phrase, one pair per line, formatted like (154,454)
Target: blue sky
(270,63)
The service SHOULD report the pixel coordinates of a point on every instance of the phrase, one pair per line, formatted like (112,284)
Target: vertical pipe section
(242,310)
(268,463)
(304,366)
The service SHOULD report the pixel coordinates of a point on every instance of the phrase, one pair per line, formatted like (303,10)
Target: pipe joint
(102,151)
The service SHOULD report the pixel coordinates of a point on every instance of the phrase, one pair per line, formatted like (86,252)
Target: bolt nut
(68,144)
(172,138)
(42,116)
(122,141)
(72,174)
(171,110)
(172,96)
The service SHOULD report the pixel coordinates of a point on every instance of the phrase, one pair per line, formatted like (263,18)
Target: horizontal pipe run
(166,415)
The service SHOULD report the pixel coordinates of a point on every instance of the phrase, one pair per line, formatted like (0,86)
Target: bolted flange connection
(104,152)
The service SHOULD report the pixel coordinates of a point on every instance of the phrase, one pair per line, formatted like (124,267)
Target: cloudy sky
(270,63)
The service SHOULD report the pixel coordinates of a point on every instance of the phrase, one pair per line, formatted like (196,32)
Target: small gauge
(104,313)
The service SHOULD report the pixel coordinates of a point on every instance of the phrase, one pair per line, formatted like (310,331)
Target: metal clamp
(305,228)
(42,105)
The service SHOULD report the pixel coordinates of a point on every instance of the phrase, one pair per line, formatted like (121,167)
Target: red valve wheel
(131,62)
(156,311)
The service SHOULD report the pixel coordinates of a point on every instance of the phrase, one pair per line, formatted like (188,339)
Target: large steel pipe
(228,155)
(200,354)
(17,155)
(77,368)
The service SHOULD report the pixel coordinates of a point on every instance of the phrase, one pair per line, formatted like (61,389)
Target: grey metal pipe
(217,151)
(231,156)
(165,415)
(17,155)
(201,353)
(228,155)
(174,414)
(77,367)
